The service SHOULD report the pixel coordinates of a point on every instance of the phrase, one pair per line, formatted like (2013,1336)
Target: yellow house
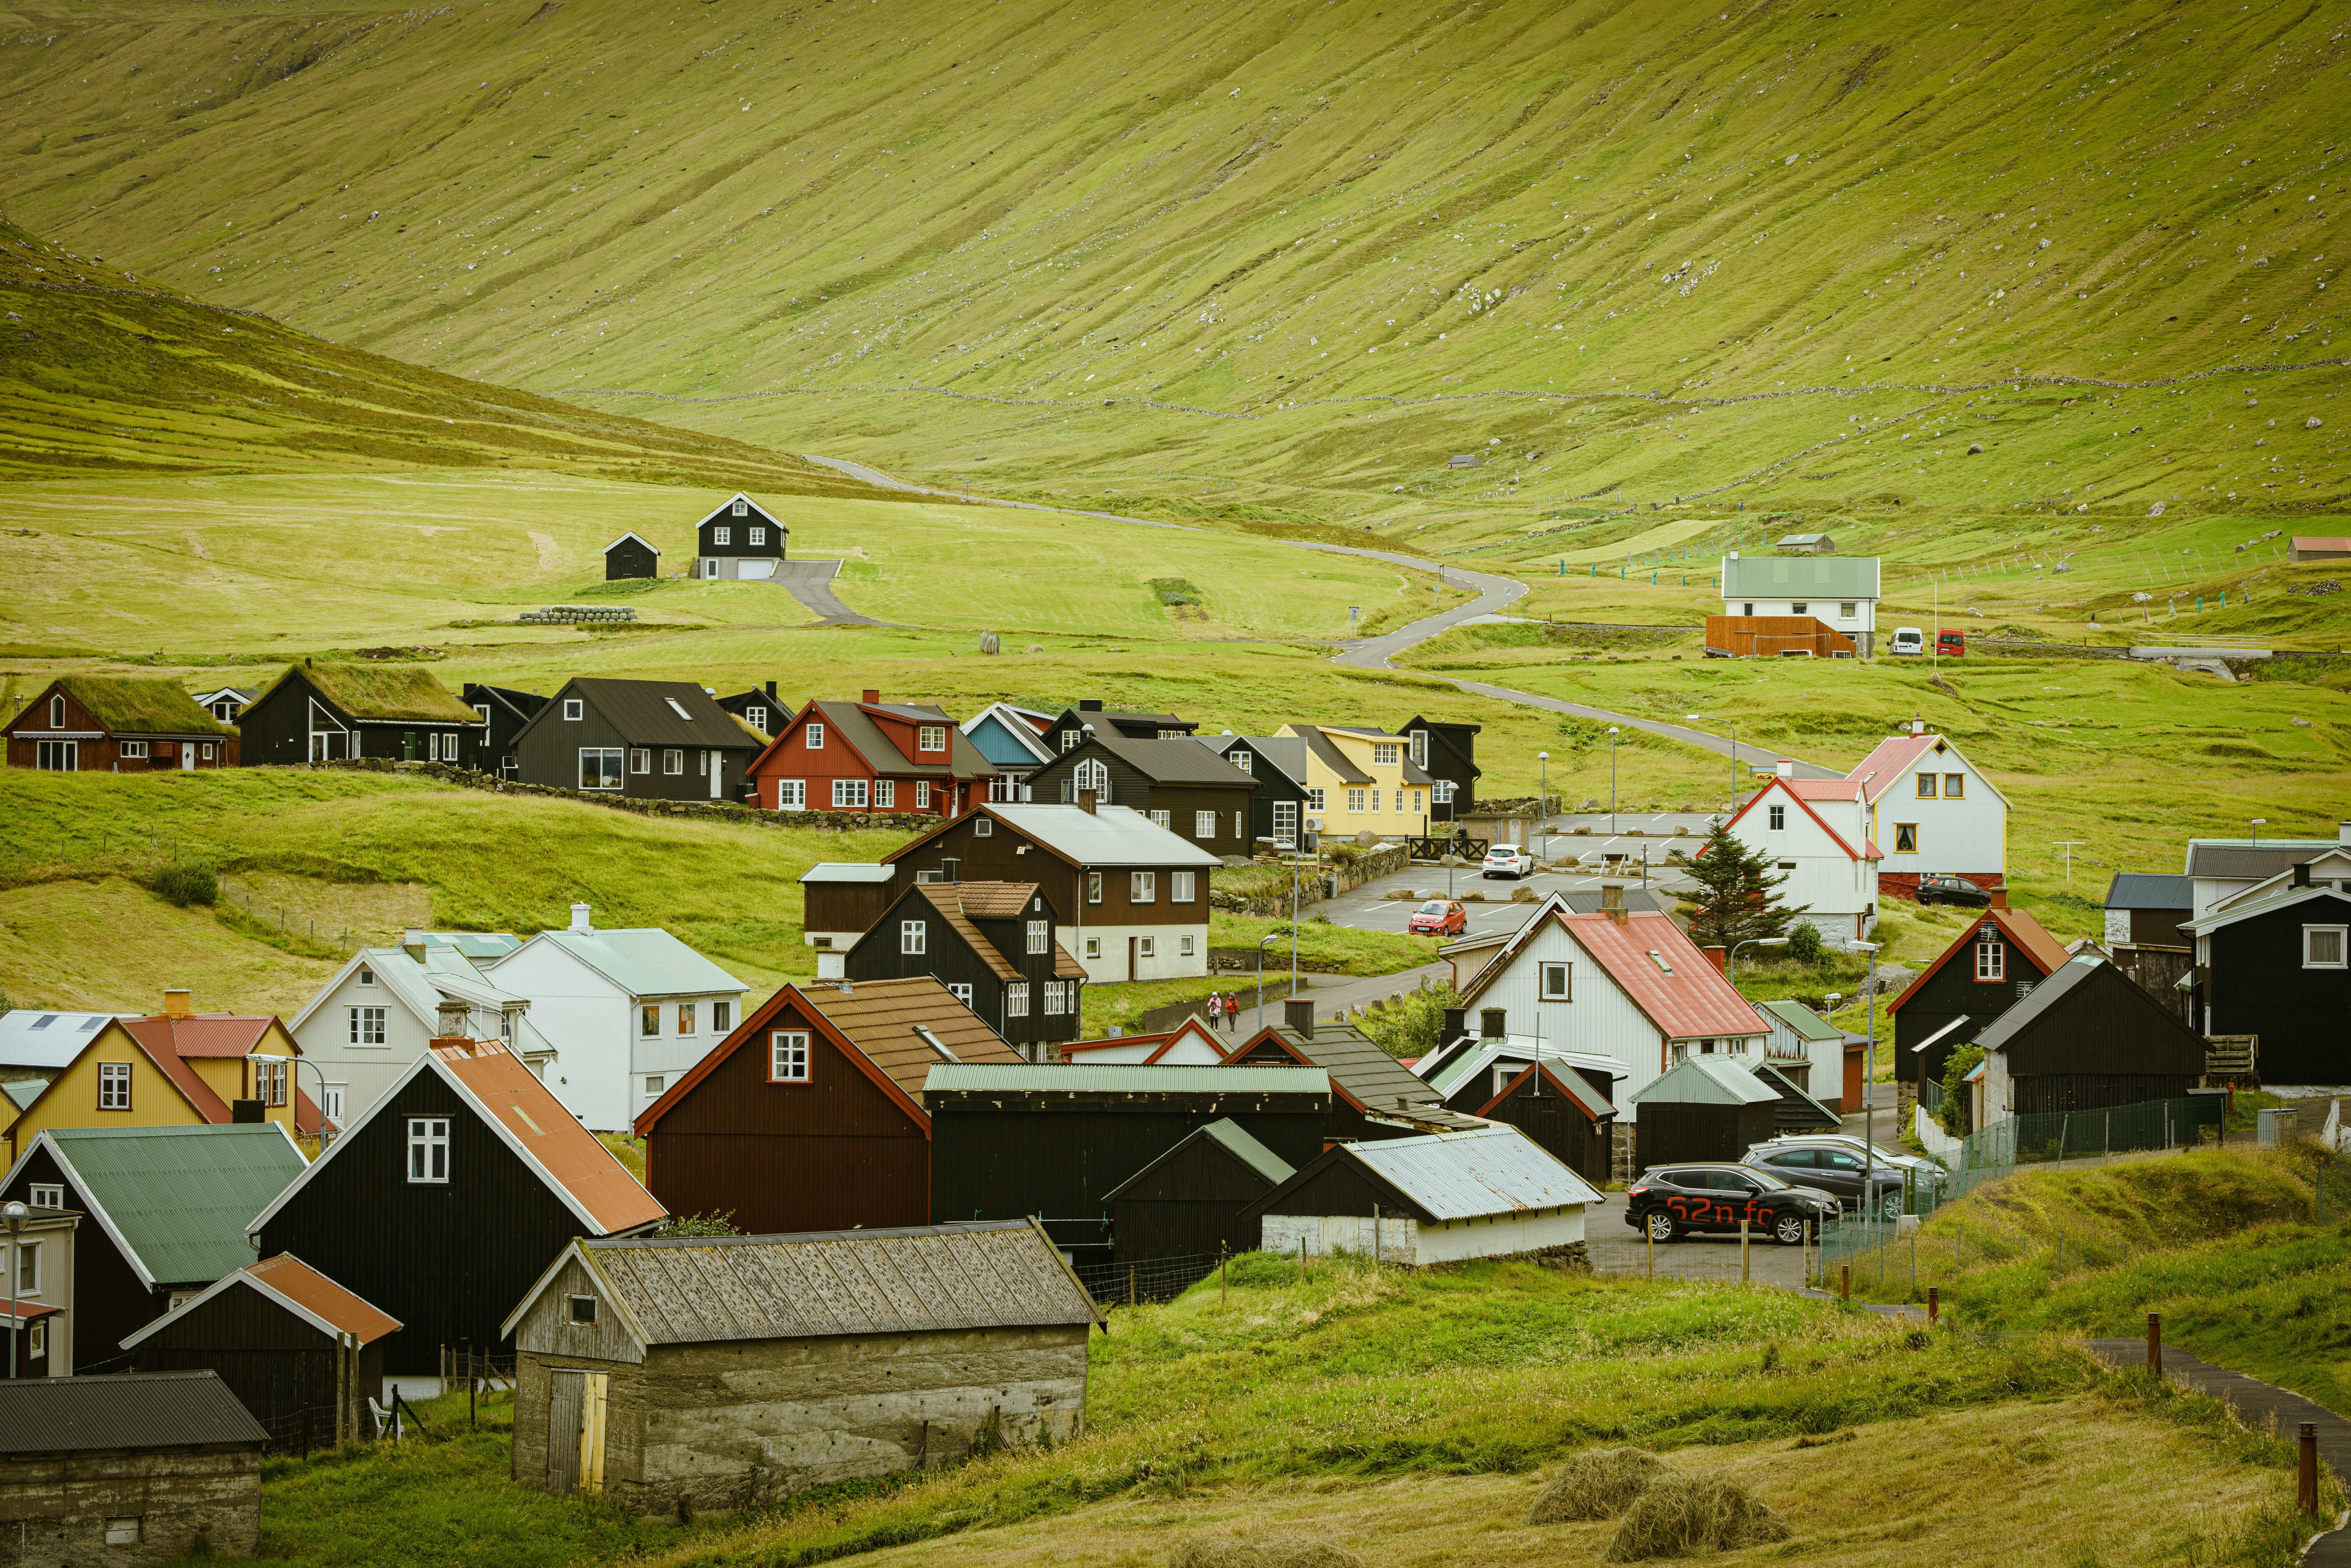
(1360,779)
(177,1067)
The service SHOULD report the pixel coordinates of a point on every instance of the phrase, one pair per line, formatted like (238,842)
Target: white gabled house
(631,1011)
(1932,813)
(1816,833)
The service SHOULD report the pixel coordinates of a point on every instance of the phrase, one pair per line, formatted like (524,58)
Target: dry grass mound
(1260,1552)
(1600,1483)
(1680,1515)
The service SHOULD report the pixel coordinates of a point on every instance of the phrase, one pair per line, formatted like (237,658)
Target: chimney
(1786,767)
(1999,896)
(450,1018)
(848,986)
(873,699)
(412,942)
(1717,956)
(1491,1022)
(831,964)
(1298,1017)
(1086,801)
(1612,901)
(1457,1024)
(2302,873)
(1918,727)
(1089,705)
(175,1004)
(771,692)
(579,918)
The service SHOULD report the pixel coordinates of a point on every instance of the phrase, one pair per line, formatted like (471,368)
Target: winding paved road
(1379,653)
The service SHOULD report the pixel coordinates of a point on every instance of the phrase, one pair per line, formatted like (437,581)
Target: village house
(1133,897)
(2147,909)
(716,1373)
(1810,1049)
(1180,785)
(1067,732)
(165,1466)
(2278,968)
(1805,544)
(37,1316)
(1447,751)
(1372,1096)
(871,756)
(1276,765)
(227,703)
(810,1115)
(630,557)
(739,542)
(840,900)
(166,1208)
(652,740)
(1187,1203)
(381,1009)
(1520,1085)
(325,712)
(289,1342)
(1362,780)
(1986,971)
(630,1010)
(2224,871)
(1446,1198)
(1931,813)
(178,1067)
(36,1044)
(991,945)
(1013,741)
(448,1197)
(760,707)
(114,724)
(504,713)
(2088,1039)
(1839,592)
(1814,833)
(1703,1108)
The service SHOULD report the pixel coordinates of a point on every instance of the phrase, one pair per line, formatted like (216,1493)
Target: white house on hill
(1931,811)
(1840,592)
(1816,833)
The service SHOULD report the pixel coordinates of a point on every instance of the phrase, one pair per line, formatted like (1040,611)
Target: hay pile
(1680,1515)
(1599,1483)
(1260,1552)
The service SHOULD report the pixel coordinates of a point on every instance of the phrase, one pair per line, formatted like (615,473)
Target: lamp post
(2258,823)
(1611,780)
(1542,799)
(15,1215)
(1730,964)
(1869,1081)
(305,1061)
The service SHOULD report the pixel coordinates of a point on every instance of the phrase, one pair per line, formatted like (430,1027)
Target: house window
(1184,946)
(1239,759)
(208,751)
(114,1086)
(741,509)
(815,735)
(685,1019)
(654,1084)
(1161,819)
(1385,756)
(367,1025)
(759,535)
(722,1016)
(1285,822)
(334,1106)
(1144,887)
(57,755)
(1094,774)
(1441,792)
(367,977)
(649,1021)
(571,708)
(599,767)
(269,1082)
(1093,888)
(1314,800)
(850,792)
(1070,738)
(1558,984)
(134,749)
(1744,610)
(1905,838)
(49,1197)
(885,794)
(1421,749)
(791,794)
(1179,886)
(1016,999)
(1053,999)
(1375,802)
(931,737)
(1845,608)
(756,717)
(428,1148)
(1778,817)
(1094,946)
(674,762)
(722,535)
(1955,785)
(581,1312)
(1040,936)
(1146,947)
(1992,957)
(914,935)
(787,1056)
(28,1268)
(1925,785)
(1800,609)
(2321,947)
(923,803)
(56,713)
(1354,802)
(482,712)
(641,760)
(1415,802)
(962,993)
(1204,824)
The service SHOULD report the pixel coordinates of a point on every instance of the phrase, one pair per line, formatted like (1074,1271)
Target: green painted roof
(1128,1078)
(180,1197)
(23,1091)
(1806,1023)
(1229,1133)
(1800,577)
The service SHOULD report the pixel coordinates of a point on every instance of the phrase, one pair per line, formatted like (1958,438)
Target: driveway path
(810,582)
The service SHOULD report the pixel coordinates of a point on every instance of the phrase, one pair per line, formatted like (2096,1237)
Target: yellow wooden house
(1363,780)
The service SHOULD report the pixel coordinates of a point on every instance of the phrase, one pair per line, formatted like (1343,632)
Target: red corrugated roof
(298,1281)
(207,1034)
(1826,788)
(2021,929)
(568,1151)
(169,1042)
(1891,760)
(1693,1002)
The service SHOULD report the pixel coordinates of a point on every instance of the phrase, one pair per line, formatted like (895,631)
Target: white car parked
(1908,642)
(1507,859)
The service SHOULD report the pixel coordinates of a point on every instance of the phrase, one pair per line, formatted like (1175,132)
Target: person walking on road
(1216,1007)
(1232,1013)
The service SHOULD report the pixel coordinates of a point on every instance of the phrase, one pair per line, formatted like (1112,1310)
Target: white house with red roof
(1932,813)
(1816,833)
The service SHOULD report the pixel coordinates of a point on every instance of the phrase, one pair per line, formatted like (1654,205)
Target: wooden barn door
(566,1392)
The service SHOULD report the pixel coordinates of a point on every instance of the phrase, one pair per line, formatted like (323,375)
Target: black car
(1671,1200)
(1952,890)
(1835,1170)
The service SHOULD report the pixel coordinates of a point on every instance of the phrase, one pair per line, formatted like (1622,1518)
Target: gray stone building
(712,1374)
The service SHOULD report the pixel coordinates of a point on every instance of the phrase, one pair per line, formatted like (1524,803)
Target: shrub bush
(187,882)
(1804,942)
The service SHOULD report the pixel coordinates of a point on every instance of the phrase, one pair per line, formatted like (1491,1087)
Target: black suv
(1952,890)
(1833,1169)
(1669,1200)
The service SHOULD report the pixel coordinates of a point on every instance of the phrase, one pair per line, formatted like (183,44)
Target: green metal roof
(1228,1132)
(1806,1023)
(179,1198)
(1129,1078)
(23,1091)
(1800,577)
(1704,1081)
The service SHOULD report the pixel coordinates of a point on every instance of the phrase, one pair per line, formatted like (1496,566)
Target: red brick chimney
(873,699)
(1716,957)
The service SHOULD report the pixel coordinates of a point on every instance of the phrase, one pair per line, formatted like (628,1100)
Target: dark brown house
(2088,1038)
(1448,753)
(2279,968)
(840,900)
(1181,785)
(1070,731)
(1187,1203)
(659,740)
(991,945)
(810,1116)
(1986,971)
(113,724)
(326,712)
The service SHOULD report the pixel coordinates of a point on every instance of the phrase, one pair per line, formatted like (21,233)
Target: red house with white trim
(1816,833)
(871,756)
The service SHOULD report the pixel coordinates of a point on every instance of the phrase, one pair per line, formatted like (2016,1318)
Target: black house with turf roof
(505,710)
(328,712)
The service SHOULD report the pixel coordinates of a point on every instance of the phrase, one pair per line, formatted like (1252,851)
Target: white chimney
(2343,834)
(1787,767)
(831,965)
(579,918)
(1918,727)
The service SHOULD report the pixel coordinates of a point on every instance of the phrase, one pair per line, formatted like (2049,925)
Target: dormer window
(742,508)
(931,737)
(56,713)
(1385,756)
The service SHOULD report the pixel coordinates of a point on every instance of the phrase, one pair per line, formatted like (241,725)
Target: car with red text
(1670,1201)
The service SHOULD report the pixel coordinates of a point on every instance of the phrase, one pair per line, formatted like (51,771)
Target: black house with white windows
(328,712)
(2279,968)
(760,707)
(1090,716)
(1181,785)
(658,741)
(630,556)
(1447,752)
(503,712)
(989,943)
(738,541)
(1277,763)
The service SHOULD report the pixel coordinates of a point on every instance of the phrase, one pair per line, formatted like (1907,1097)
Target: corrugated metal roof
(2151,890)
(846,870)
(180,1197)
(1472,1174)
(2029,1008)
(23,1091)
(33,1037)
(2279,900)
(1464,1065)
(1229,1135)
(646,713)
(699,1290)
(1111,836)
(1285,753)
(647,962)
(569,1153)
(123,1410)
(1805,1023)
(1704,1081)
(1318,744)
(1357,1065)
(2239,859)
(1125,1078)
(300,1283)
(1185,761)
(1687,997)
(1800,577)
(853,724)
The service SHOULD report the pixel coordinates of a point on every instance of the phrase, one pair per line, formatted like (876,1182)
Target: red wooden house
(871,756)
(115,724)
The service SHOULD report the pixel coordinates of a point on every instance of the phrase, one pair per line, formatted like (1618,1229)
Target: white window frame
(1040,936)
(756,717)
(1146,948)
(1016,999)
(56,713)
(721,1016)
(1204,824)
(914,937)
(1384,754)
(1094,946)
(923,803)
(1070,738)
(47,1194)
(849,794)
(602,754)
(1314,799)
(368,1026)
(885,794)
(428,1150)
(1093,888)
(641,760)
(1375,800)
(573,709)
(1242,760)
(1558,982)
(1179,886)
(930,738)
(654,1081)
(114,1086)
(791,794)
(1355,802)
(722,535)
(813,734)
(28,1268)
(1186,945)
(1991,959)
(961,992)
(134,749)
(1143,887)
(674,761)
(2342,934)
(1163,819)
(686,1016)
(787,1056)
(759,535)
(1419,738)
(649,1021)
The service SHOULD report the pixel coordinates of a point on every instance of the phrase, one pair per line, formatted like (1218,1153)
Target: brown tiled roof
(954,907)
(299,1283)
(990,900)
(567,1152)
(879,1016)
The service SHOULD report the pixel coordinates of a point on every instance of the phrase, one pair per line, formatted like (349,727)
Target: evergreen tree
(1735,901)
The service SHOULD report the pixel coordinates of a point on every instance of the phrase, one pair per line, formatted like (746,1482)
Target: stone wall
(1315,886)
(59,1507)
(708,811)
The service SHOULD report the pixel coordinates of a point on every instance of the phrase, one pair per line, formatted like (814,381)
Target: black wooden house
(1986,971)
(449,1197)
(1090,716)
(2088,1038)
(504,711)
(760,707)
(1372,1096)
(989,943)
(326,711)
(739,540)
(1702,1108)
(1181,785)
(1448,753)
(630,556)
(1278,765)
(659,740)
(1188,1202)
(2279,968)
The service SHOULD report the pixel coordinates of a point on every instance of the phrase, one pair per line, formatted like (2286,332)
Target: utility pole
(1611,780)
(1542,799)
(2069,846)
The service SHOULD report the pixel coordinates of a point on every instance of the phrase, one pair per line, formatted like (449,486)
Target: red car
(1952,644)
(1439,918)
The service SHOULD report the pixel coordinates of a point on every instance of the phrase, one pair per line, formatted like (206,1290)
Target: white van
(1908,640)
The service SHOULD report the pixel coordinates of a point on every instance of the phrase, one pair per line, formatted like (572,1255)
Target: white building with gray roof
(1840,592)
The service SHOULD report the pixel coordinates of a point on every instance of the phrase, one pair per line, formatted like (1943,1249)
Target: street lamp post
(15,1215)
(1542,799)
(2258,823)
(1611,780)
(304,1061)
(1730,964)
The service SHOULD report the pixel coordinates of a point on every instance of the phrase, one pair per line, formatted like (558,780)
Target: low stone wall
(708,811)
(1315,886)
(184,1501)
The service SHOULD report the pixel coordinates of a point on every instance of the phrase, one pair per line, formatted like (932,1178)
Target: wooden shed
(298,1351)
(1703,1108)
(1187,1203)
(2088,1038)
(630,556)
(718,1372)
(132,1468)
(1776,636)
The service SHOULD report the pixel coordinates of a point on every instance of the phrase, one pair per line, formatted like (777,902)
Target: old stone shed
(132,1468)
(716,1373)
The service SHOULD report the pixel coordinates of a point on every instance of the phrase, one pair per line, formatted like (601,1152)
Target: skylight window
(1659,960)
(678,708)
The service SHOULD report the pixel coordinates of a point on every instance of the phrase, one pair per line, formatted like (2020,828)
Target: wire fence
(2052,1137)
(1145,1279)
